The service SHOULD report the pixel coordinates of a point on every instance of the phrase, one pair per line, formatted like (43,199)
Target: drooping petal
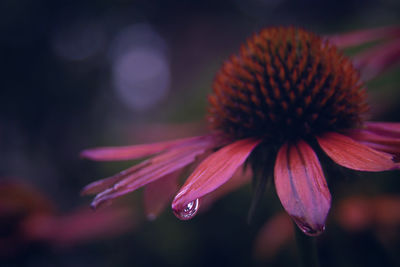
(214,171)
(301,187)
(381,136)
(158,167)
(369,136)
(159,193)
(101,185)
(360,37)
(351,154)
(375,61)
(132,152)
(239,178)
(389,129)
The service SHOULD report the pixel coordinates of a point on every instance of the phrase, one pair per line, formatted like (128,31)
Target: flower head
(286,84)
(285,93)
(27,217)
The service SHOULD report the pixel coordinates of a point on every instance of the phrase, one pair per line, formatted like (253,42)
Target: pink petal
(81,225)
(353,155)
(103,184)
(159,166)
(214,171)
(375,61)
(132,152)
(395,150)
(360,212)
(360,37)
(381,136)
(239,178)
(301,187)
(273,236)
(158,193)
(391,129)
(369,136)
(354,213)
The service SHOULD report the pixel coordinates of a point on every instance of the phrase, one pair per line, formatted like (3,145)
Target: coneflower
(286,93)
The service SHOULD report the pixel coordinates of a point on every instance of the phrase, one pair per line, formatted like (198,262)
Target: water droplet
(188,211)
(307,229)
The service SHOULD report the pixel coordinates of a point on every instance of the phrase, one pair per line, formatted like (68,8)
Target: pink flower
(377,59)
(379,215)
(285,94)
(28,217)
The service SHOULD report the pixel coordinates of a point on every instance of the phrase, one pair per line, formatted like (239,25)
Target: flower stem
(307,249)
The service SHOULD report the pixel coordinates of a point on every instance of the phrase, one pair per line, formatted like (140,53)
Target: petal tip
(93,206)
(307,228)
(187,211)
(86,154)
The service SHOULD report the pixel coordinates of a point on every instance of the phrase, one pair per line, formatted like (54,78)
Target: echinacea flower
(28,217)
(356,214)
(286,93)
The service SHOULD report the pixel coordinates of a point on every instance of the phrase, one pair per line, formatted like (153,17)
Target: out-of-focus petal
(386,210)
(275,233)
(377,60)
(354,214)
(159,166)
(389,129)
(361,212)
(22,198)
(369,136)
(159,193)
(381,136)
(351,154)
(214,171)
(360,37)
(80,226)
(132,152)
(394,150)
(301,187)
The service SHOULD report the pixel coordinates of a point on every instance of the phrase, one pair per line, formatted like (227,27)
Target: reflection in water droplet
(188,211)
(307,229)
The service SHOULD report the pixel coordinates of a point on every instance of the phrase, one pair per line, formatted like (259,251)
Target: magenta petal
(132,152)
(394,150)
(389,129)
(381,136)
(377,60)
(365,135)
(301,186)
(273,236)
(158,194)
(360,37)
(103,184)
(156,168)
(351,154)
(239,178)
(214,171)
(80,226)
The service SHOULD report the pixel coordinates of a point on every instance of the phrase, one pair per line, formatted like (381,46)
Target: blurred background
(79,74)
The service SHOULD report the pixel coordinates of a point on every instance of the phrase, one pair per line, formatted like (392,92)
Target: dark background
(78,74)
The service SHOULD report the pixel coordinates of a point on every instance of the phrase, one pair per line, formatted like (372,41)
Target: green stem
(307,249)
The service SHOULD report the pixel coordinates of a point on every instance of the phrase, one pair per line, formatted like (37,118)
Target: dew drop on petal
(188,212)
(307,229)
